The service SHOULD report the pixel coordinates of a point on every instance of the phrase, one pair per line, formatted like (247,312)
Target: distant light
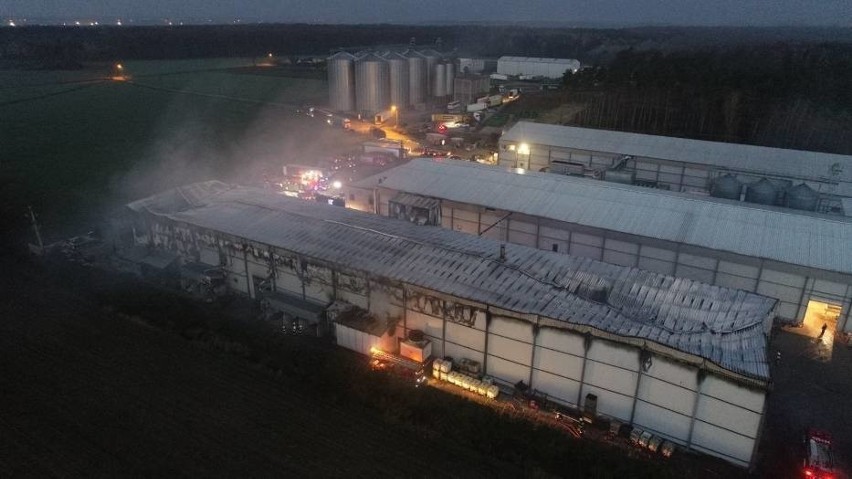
(119,66)
(269,55)
(12,23)
(511,147)
(520,171)
(524,149)
(337,185)
(77,23)
(393,107)
(118,22)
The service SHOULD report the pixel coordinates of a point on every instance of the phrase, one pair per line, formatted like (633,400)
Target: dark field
(89,394)
(76,145)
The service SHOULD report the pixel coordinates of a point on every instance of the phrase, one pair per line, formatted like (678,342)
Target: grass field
(73,150)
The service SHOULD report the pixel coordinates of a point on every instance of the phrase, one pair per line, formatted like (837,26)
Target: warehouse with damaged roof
(800,258)
(683,359)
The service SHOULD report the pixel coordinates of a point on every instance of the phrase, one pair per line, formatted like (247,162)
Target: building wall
(672,396)
(663,174)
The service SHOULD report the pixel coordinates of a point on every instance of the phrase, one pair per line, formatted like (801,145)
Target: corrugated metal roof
(416,201)
(790,236)
(757,159)
(723,326)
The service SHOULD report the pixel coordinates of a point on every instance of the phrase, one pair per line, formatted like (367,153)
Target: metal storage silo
(439,80)
(416,77)
(726,186)
(451,76)
(371,84)
(802,197)
(398,79)
(432,57)
(341,81)
(762,192)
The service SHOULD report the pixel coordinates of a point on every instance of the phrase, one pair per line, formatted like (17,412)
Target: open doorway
(820,323)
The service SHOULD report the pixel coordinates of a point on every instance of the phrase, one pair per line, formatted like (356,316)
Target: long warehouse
(800,258)
(685,360)
(823,181)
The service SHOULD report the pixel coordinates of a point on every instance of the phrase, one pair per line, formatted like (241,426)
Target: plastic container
(654,443)
(645,438)
(492,392)
(635,435)
(667,449)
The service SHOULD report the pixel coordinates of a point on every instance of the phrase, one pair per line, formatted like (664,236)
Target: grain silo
(451,76)
(398,79)
(341,81)
(762,192)
(802,197)
(416,77)
(726,186)
(432,57)
(372,85)
(439,80)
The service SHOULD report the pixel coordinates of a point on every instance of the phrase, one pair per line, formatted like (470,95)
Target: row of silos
(372,82)
(767,192)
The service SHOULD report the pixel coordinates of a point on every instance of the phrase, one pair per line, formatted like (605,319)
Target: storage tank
(432,57)
(372,85)
(726,186)
(417,77)
(451,76)
(398,79)
(341,81)
(762,192)
(802,197)
(439,80)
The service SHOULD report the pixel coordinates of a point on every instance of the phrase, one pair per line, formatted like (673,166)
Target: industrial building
(468,88)
(803,180)
(370,82)
(802,259)
(682,359)
(536,67)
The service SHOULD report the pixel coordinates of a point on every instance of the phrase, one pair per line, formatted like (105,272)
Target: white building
(682,359)
(802,259)
(680,164)
(543,67)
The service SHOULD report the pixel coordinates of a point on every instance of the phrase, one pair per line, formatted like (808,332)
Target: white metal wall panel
(790,294)
(614,379)
(778,277)
(738,282)
(521,232)
(383,304)
(511,328)
(428,324)
(721,443)
(516,351)
(738,269)
(667,395)
(662,421)
(697,261)
(319,292)
(625,357)
(673,372)
(465,215)
(288,283)
(658,253)
(585,251)
(558,363)
(617,257)
(466,336)
(563,390)
(457,351)
(561,341)
(609,403)
(655,265)
(555,233)
(733,393)
(352,298)
(728,416)
(507,371)
(698,274)
(829,288)
(209,256)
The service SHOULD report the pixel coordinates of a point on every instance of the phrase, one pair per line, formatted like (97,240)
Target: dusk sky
(630,12)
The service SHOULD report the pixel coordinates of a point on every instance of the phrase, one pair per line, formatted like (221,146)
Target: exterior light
(337,185)
(119,66)
(524,149)
(511,147)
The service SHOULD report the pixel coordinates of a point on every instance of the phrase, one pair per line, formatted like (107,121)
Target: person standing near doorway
(822,331)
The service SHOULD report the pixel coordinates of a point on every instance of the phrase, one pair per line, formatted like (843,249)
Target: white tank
(372,84)
(446,365)
(432,57)
(492,392)
(417,77)
(451,76)
(439,80)
(399,79)
(341,81)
